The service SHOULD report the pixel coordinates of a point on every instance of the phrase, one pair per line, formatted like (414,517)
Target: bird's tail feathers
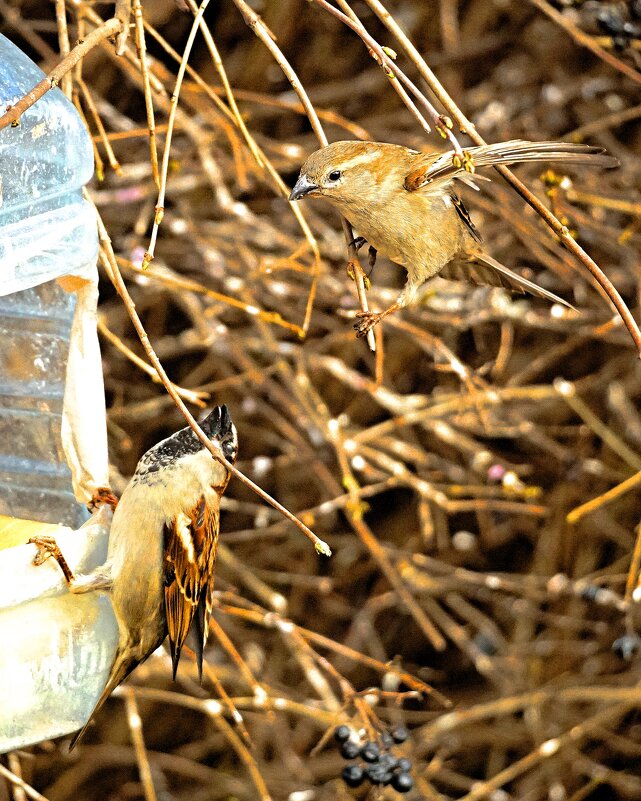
(481,268)
(514,281)
(121,668)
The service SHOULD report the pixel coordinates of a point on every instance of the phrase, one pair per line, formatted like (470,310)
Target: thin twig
(601,500)
(149,104)
(18,782)
(257,25)
(115,276)
(160,203)
(63,44)
(191,396)
(135,729)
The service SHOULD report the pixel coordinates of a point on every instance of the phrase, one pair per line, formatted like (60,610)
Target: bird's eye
(229,449)
(334,175)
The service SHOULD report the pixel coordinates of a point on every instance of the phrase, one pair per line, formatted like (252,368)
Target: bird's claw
(47,547)
(351,271)
(366,320)
(102,496)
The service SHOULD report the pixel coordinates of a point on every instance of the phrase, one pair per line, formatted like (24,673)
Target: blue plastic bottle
(47,230)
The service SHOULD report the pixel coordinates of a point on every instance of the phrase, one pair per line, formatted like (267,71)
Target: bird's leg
(368,319)
(47,547)
(372,253)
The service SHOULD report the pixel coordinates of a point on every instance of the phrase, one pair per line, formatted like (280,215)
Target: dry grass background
(441,471)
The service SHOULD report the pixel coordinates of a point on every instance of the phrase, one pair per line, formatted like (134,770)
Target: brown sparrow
(162,549)
(404,204)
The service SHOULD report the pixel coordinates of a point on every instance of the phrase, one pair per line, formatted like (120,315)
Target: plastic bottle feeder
(57,648)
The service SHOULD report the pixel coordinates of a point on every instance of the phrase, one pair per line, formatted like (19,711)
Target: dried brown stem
(135,729)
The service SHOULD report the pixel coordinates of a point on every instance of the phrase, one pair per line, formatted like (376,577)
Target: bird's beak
(218,423)
(302,187)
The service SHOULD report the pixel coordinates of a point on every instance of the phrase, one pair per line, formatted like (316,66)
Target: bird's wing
(189,557)
(483,269)
(443,167)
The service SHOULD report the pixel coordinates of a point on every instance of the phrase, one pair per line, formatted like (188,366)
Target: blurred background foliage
(441,469)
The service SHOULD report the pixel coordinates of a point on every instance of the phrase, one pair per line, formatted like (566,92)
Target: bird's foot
(47,547)
(366,320)
(358,242)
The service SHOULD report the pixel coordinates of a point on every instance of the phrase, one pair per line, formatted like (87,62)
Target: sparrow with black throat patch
(159,571)
(405,205)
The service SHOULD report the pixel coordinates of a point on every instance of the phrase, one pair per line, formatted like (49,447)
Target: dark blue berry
(590,592)
(370,752)
(349,750)
(353,775)
(402,782)
(609,22)
(404,765)
(377,774)
(341,733)
(626,647)
(485,643)
(400,734)
(386,737)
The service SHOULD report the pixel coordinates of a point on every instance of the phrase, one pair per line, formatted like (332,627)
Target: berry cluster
(612,23)
(379,766)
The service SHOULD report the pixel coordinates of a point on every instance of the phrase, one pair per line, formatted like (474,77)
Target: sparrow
(405,205)
(159,571)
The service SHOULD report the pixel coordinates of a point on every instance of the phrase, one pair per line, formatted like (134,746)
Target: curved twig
(51,81)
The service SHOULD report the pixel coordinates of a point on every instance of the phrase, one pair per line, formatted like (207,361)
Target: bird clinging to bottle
(404,204)
(162,549)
